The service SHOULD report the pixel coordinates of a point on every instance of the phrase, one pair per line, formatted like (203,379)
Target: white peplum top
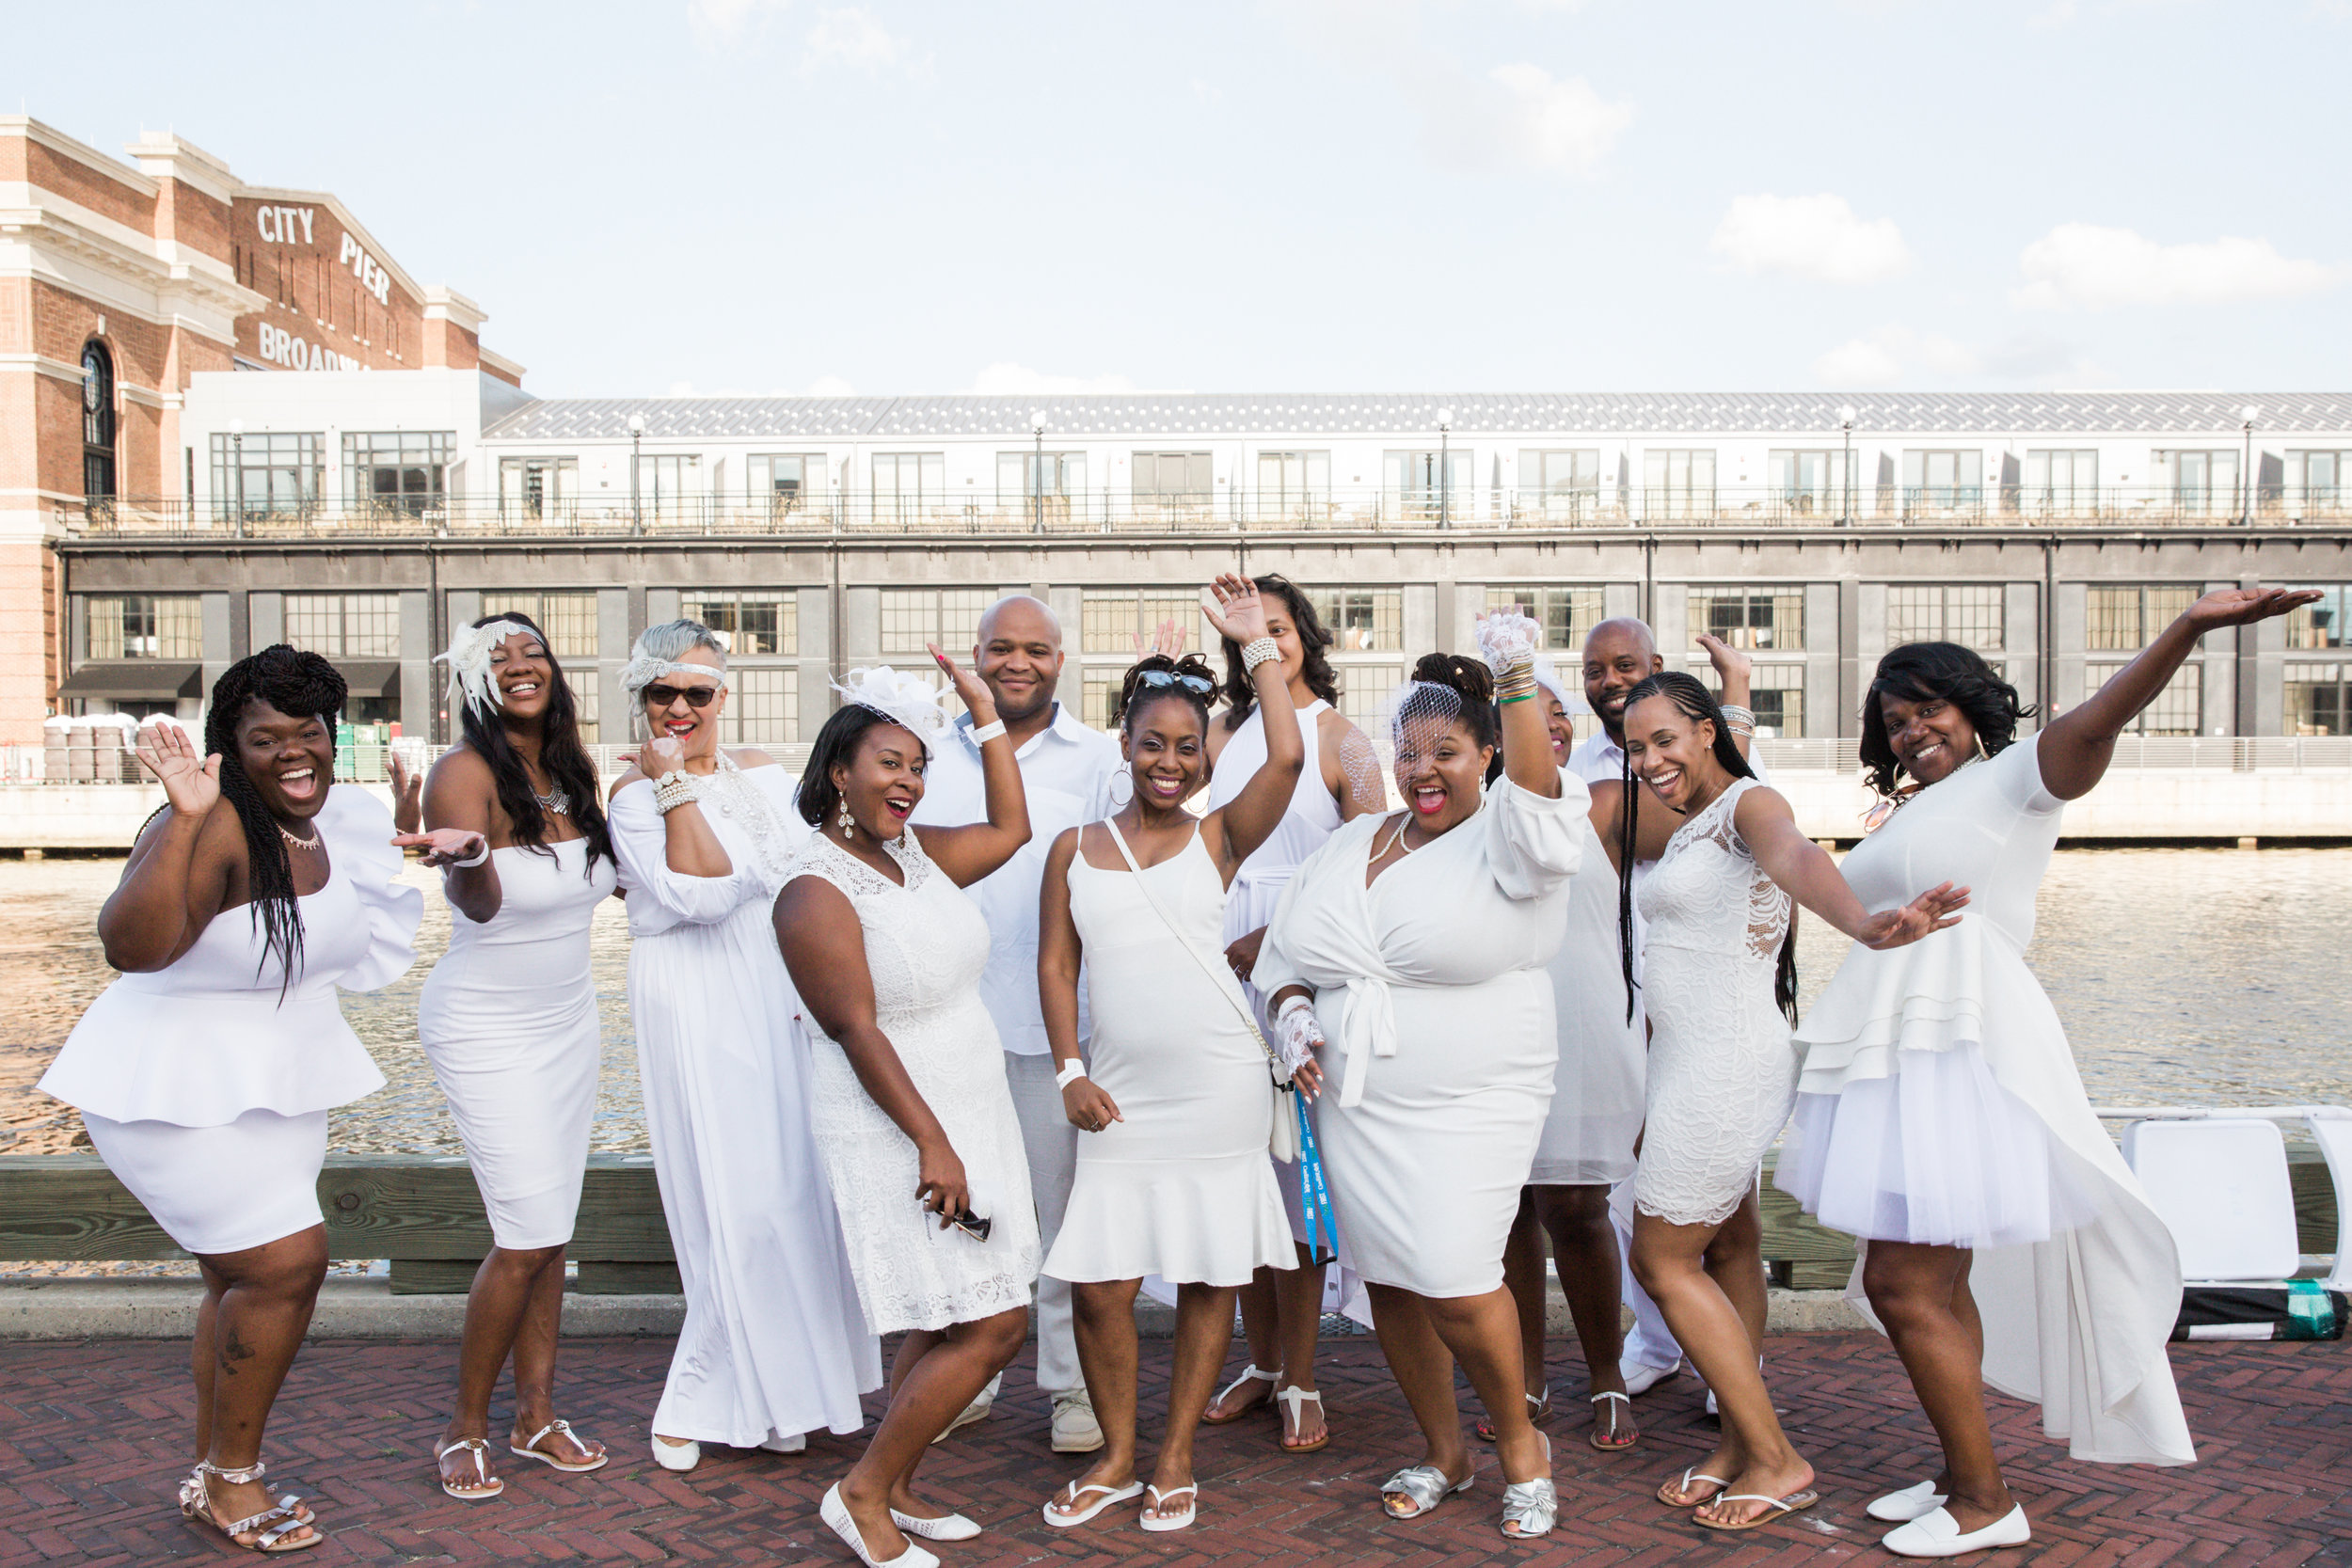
(208,1038)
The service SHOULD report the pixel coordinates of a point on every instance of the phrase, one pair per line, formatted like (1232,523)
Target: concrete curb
(353,1308)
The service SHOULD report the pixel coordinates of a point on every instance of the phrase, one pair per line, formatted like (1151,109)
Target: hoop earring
(849,823)
(1120,803)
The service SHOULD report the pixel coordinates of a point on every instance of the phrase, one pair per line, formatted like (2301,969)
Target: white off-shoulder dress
(1430,985)
(508,1019)
(1940,1104)
(205,1086)
(926,945)
(773,1343)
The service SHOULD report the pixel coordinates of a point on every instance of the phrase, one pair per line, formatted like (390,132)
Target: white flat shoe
(1640,1379)
(1938,1534)
(947,1527)
(677,1456)
(836,1516)
(797,1443)
(1900,1508)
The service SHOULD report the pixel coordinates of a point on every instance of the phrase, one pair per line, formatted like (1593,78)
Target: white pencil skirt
(220,1189)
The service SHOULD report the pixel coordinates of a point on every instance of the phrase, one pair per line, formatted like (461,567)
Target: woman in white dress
(773,1345)
(205,1072)
(1416,942)
(1175,1096)
(508,1019)
(1940,1117)
(913,1116)
(1718,982)
(1282,1308)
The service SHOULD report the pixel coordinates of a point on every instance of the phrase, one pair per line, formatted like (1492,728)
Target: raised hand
(1237,616)
(1729,662)
(407,794)
(1167,639)
(2236,607)
(1089,1105)
(662,755)
(443,847)
(1932,910)
(1507,636)
(977,700)
(191,782)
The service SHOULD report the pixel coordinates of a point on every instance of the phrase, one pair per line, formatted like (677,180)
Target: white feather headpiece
(904,698)
(468,659)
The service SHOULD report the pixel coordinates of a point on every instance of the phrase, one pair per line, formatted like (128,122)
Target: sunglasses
(1160,678)
(698,697)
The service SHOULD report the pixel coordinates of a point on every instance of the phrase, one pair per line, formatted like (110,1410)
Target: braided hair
(302,685)
(561,752)
(1313,638)
(1695,703)
(1134,696)
(1470,679)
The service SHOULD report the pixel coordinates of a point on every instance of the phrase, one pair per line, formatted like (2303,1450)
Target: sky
(780,196)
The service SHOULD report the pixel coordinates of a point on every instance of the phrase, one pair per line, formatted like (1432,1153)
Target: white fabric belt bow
(1366,1029)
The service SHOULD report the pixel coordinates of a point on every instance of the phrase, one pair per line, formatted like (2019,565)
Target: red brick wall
(190,217)
(448,343)
(78,183)
(315,296)
(28,640)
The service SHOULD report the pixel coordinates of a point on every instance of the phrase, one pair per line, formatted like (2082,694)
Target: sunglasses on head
(1157,678)
(698,697)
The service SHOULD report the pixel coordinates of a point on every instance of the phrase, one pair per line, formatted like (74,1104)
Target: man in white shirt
(1066,769)
(1619,655)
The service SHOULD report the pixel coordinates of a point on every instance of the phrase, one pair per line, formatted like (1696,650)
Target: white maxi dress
(1597,1094)
(508,1019)
(1940,1104)
(773,1344)
(1430,985)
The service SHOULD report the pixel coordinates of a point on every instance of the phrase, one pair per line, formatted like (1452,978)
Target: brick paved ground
(91,1440)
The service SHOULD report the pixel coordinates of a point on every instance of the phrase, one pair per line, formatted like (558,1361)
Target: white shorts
(220,1189)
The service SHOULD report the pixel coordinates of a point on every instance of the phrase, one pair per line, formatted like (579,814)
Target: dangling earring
(849,823)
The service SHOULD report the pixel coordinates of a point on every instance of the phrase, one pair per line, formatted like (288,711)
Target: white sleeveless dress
(1182,1187)
(926,946)
(1723,1069)
(508,1019)
(1597,1094)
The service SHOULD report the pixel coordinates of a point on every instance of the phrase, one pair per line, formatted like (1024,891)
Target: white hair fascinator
(904,698)
(1548,676)
(642,671)
(468,659)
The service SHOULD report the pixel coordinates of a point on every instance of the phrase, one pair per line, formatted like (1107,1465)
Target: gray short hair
(658,647)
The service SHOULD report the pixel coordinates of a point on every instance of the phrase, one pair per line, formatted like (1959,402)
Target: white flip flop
(1110,1495)
(1171,1521)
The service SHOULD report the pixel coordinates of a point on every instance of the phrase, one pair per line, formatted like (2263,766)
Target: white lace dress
(926,946)
(1723,1069)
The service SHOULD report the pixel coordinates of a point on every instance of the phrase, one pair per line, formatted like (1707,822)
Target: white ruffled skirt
(1936,1152)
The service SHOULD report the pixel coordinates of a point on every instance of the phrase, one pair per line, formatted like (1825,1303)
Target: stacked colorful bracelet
(1516,684)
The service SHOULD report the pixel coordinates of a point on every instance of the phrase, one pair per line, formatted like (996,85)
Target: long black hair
(1695,703)
(561,752)
(1134,696)
(835,746)
(1314,639)
(301,685)
(1936,671)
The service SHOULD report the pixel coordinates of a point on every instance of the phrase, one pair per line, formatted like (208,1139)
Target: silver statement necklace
(554,800)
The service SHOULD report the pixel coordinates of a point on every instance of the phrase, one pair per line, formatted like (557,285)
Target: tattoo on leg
(232,1351)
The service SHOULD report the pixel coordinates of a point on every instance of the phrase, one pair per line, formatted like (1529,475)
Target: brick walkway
(91,1439)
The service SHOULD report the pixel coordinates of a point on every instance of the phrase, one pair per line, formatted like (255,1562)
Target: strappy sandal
(1539,1411)
(1683,1487)
(1600,1400)
(1252,1373)
(1795,1502)
(1292,1400)
(484,1486)
(276,1523)
(1424,1486)
(1533,1506)
(531,1450)
(1155,1521)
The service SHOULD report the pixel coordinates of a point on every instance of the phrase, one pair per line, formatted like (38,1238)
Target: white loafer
(1640,1379)
(947,1527)
(1938,1534)
(677,1456)
(797,1443)
(836,1513)
(1900,1508)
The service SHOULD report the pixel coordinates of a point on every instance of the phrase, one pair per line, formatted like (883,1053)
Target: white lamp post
(1445,467)
(1036,473)
(636,456)
(2246,415)
(1846,416)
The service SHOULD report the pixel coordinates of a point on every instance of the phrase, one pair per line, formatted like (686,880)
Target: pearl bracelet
(983,733)
(1070,1072)
(1256,653)
(673,789)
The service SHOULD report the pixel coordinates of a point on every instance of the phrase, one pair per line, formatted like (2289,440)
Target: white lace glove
(1296,1033)
(1506,639)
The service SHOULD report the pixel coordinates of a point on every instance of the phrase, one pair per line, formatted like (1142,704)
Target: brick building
(119,281)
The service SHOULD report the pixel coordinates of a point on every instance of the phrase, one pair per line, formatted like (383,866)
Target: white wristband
(982,735)
(479,856)
(1070,1072)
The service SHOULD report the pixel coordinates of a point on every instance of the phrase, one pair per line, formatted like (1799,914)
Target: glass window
(781,481)
(1054,475)
(1364,692)
(144,626)
(1776,692)
(1101,692)
(1362,620)
(950,617)
(1678,481)
(535,487)
(2060,479)
(567,620)
(753,624)
(1750,617)
(1810,484)
(763,706)
(2178,708)
(908,485)
(1968,614)
(2197,481)
(2316,480)
(397,471)
(1566,611)
(1113,617)
(1936,480)
(344,626)
(669,483)
(2319,699)
(2320,624)
(268,472)
(1294,485)
(98,422)
(1428,486)
(2126,619)
(583,678)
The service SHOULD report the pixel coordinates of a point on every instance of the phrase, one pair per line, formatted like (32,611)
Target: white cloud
(723,22)
(1516,116)
(1008,379)
(830,387)
(850,37)
(1886,356)
(2084,265)
(1810,236)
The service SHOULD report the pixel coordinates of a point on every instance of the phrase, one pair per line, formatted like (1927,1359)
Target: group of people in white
(989,1011)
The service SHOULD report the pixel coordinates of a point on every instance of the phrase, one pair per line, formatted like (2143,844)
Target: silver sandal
(1534,1506)
(276,1523)
(1425,1485)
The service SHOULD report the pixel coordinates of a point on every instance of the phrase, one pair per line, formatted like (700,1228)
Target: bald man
(1066,769)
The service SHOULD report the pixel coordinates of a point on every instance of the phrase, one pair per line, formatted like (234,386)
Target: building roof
(1209,414)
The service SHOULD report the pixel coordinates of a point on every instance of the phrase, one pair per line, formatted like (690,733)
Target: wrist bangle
(1734,713)
(673,789)
(479,856)
(1523,697)
(983,733)
(1071,1070)
(1257,652)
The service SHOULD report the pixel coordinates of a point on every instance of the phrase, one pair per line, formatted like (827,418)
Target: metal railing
(1242,510)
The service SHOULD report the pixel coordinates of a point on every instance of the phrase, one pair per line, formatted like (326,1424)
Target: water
(2197,975)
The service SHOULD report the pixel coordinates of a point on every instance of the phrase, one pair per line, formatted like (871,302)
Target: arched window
(98,422)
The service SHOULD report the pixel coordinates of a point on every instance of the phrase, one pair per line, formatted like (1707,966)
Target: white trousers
(1052,1146)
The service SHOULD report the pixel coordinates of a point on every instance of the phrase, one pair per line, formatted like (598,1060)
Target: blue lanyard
(1323,1231)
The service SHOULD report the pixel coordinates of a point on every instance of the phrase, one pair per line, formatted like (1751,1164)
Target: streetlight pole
(1845,505)
(2246,475)
(1445,467)
(236,440)
(1037,474)
(636,460)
